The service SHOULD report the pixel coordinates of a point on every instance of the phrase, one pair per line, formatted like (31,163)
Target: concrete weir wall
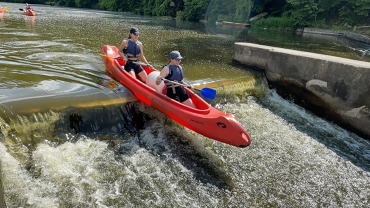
(336,88)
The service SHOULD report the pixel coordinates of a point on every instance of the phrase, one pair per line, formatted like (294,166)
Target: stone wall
(360,35)
(336,88)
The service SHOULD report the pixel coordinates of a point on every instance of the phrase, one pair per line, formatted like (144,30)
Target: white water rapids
(163,167)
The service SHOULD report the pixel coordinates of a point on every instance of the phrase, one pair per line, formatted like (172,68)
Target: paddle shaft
(205,92)
(184,85)
(31,10)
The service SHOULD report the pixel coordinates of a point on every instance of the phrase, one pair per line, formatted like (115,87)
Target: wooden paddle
(205,92)
(31,10)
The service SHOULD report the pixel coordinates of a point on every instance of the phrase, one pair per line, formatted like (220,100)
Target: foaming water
(344,143)
(141,170)
(288,166)
(165,165)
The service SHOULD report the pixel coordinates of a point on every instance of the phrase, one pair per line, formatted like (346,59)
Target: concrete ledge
(339,88)
(346,34)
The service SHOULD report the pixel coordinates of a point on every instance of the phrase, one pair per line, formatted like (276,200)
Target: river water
(72,137)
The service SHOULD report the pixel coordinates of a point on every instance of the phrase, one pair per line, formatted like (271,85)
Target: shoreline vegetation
(356,33)
(351,16)
(333,14)
(359,34)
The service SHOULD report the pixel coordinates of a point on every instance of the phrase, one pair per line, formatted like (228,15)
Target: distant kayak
(28,12)
(204,119)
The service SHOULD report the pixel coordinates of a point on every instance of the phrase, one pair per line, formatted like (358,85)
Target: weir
(100,119)
(22,134)
(336,88)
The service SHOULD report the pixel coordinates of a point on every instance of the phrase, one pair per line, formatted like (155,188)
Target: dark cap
(175,55)
(134,30)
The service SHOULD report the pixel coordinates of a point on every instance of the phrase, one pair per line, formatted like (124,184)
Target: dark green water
(69,138)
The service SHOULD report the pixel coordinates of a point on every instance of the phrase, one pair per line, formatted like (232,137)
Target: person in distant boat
(27,7)
(131,50)
(175,73)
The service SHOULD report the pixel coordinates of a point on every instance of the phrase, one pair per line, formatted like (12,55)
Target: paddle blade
(5,8)
(21,9)
(208,93)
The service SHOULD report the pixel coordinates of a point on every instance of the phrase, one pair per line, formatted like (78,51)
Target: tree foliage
(194,10)
(301,12)
(309,12)
(231,10)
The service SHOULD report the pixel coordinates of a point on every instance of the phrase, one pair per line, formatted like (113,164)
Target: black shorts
(179,95)
(133,65)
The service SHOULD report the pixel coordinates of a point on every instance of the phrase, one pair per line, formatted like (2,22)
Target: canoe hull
(29,13)
(205,120)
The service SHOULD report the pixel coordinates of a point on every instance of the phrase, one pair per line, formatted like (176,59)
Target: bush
(274,22)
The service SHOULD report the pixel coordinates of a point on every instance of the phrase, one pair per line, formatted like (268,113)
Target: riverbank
(356,35)
(332,87)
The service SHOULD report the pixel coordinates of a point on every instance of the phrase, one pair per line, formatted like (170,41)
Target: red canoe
(29,13)
(205,119)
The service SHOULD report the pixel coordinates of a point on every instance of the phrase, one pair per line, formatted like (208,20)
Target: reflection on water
(30,21)
(329,45)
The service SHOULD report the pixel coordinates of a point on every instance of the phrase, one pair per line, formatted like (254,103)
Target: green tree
(303,12)
(68,3)
(194,10)
(110,5)
(340,11)
(86,3)
(274,7)
(355,11)
(232,10)
(362,7)
(118,5)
